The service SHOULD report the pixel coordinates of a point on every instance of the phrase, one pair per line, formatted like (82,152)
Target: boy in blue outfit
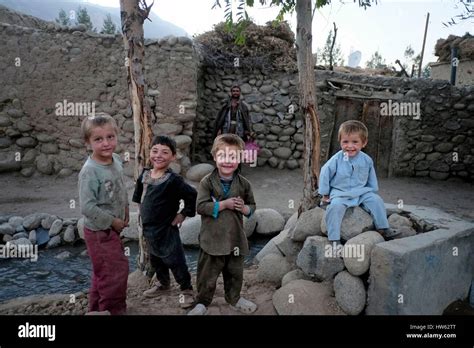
(348,179)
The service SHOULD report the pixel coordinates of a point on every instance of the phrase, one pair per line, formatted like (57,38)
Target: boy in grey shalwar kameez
(348,179)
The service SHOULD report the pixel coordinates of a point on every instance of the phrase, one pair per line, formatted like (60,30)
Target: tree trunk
(312,145)
(132,17)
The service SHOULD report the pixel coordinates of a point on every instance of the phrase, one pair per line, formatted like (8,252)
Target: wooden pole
(423,47)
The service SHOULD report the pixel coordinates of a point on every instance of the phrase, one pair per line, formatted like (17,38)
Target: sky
(388,27)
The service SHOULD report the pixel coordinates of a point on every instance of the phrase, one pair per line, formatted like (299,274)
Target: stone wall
(43,67)
(439,144)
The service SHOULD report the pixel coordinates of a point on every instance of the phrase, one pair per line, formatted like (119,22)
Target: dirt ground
(277,189)
(273,188)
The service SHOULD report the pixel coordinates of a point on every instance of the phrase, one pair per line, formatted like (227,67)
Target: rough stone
(56,227)
(272,268)
(32,221)
(355,221)
(199,171)
(304,297)
(249,225)
(269,221)
(54,242)
(350,293)
(357,251)
(294,275)
(26,142)
(308,224)
(314,261)
(189,231)
(283,153)
(69,235)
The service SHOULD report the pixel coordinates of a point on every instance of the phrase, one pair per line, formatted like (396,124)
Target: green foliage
(286,6)
(324,55)
(63,18)
(83,18)
(109,26)
(376,62)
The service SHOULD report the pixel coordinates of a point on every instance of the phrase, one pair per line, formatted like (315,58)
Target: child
(160,218)
(348,180)
(104,204)
(224,196)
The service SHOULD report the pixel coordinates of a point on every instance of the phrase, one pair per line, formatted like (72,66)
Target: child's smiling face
(161,156)
(227,159)
(352,143)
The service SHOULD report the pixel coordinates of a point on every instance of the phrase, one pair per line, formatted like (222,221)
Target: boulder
(350,293)
(199,171)
(47,222)
(69,235)
(290,224)
(7,229)
(32,236)
(355,221)
(20,241)
(32,221)
(249,225)
(316,259)
(304,297)
(357,252)
(16,221)
(269,221)
(401,224)
(269,248)
(56,228)
(189,231)
(308,224)
(288,247)
(272,268)
(54,242)
(294,275)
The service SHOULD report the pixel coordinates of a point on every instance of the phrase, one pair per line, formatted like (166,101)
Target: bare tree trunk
(132,17)
(332,47)
(312,145)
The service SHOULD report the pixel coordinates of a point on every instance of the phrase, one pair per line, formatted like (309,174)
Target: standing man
(233,117)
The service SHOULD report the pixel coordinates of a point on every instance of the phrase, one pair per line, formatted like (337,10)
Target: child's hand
(326,199)
(228,203)
(240,205)
(178,220)
(118,225)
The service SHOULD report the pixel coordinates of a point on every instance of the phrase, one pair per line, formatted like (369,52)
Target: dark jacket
(220,119)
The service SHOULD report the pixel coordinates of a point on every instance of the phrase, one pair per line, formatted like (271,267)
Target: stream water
(48,275)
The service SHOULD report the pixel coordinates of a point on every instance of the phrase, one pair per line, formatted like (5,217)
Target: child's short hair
(353,126)
(164,140)
(98,120)
(227,139)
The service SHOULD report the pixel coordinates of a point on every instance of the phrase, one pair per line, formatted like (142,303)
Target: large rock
(316,259)
(355,221)
(54,242)
(16,221)
(249,225)
(47,222)
(294,275)
(32,221)
(44,165)
(357,251)
(20,241)
(182,141)
(6,228)
(308,224)
(269,248)
(56,228)
(350,293)
(269,221)
(167,129)
(291,223)
(304,297)
(401,224)
(199,171)
(287,246)
(32,236)
(69,235)
(272,268)
(189,231)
